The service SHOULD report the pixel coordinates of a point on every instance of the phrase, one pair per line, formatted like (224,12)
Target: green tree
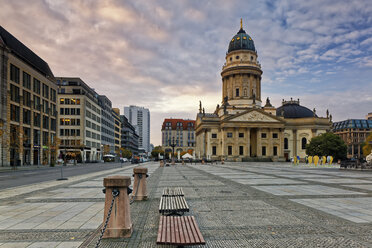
(155,152)
(327,144)
(367,145)
(126,153)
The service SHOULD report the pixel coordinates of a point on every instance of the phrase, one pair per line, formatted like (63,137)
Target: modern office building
(28,95)
(179,132)
(240,129)
(129,136)
(79,128)
(107,125)
(117,131)
(139,117)
(353,132)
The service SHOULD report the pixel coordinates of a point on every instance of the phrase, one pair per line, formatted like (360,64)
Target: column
(270,148)
(236,142)
(294,132)
(281,145)
(222,133)
(248,141)
(259,148)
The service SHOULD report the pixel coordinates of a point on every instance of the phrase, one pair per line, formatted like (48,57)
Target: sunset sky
(168,55)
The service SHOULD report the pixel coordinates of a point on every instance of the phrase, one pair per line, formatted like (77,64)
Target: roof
(352,123)
(241,41)
(24,53)
(207,115)
(294,110)
(173,123)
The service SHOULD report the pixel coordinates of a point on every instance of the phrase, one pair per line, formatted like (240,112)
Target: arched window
(245,92)
(303,143)
(237,91)
(285,143)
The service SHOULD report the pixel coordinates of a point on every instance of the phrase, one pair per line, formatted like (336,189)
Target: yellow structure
(240,129)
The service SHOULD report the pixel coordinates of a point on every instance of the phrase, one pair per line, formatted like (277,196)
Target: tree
(156,151)
(106,149)
(327,144)
(125,153)
(367,145)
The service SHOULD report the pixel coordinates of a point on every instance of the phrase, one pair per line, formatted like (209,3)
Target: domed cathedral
(240,128)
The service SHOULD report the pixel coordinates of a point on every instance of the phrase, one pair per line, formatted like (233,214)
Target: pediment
(254,116)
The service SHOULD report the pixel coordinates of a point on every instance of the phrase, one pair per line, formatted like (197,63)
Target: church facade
(241,129)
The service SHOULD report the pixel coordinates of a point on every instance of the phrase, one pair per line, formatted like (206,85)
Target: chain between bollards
(115,193)
(134,196)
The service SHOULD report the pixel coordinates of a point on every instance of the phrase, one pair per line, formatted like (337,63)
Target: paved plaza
(235,205)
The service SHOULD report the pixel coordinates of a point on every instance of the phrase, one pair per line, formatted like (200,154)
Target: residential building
(79,128)
(369,116)
(353,132)
(139,117)
(179,132)
(28,95)
(129,136)
(117,131)
(107,125)
(240,129)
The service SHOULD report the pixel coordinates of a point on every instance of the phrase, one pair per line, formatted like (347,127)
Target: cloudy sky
(168,55)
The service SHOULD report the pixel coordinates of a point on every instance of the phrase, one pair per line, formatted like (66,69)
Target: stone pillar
(140,183)
(222,142)
(120,224)
(236,142)
(281,146)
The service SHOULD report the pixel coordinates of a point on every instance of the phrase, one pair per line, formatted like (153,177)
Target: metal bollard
(119,225)
(161,163)
(140,183)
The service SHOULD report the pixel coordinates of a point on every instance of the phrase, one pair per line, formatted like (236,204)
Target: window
(14,93)
(78,111)
(53,124)
(67,111)
(26,98)
(14,113)
(26,116)
(229,135)
(214,136)
(26,80)
(45,122)
(241,150)
(45,91)
(285,143)
(45,138)
(36,86)
(37,119)
(53,95)
(14,73)
(214,150)
(61,111)
(303,143)
(275,135)
(37,104)
(275,151)
(241,135)
(237,57)
(237,92)
(61,133)
(264,151)
(263,135)
(229,150)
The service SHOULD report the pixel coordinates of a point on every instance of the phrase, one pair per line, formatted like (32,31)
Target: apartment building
(107,125)
(79,127)
(180,133)
(117,131)
(129,136)
(28,95)
(139,117)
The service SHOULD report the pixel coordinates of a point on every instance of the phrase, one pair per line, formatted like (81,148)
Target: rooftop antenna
(241,23)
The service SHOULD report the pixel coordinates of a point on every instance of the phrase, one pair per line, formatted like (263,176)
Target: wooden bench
(179,230)
(173,191)
(173,205)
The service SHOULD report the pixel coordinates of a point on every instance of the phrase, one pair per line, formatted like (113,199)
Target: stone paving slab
(340,180)
(305,190)
(362,186)
(354,209)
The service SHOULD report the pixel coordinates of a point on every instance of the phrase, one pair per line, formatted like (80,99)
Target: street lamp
(172,144)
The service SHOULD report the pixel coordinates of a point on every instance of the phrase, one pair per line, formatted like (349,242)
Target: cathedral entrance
(253,143)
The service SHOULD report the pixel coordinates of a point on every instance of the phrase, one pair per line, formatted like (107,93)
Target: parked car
(123,160)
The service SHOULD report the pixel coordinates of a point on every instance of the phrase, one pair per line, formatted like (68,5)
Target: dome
(294,110)
(241,41)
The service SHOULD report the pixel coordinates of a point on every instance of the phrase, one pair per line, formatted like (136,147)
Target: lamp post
(172,144)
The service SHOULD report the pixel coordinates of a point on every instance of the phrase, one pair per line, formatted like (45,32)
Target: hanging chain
(115,193)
